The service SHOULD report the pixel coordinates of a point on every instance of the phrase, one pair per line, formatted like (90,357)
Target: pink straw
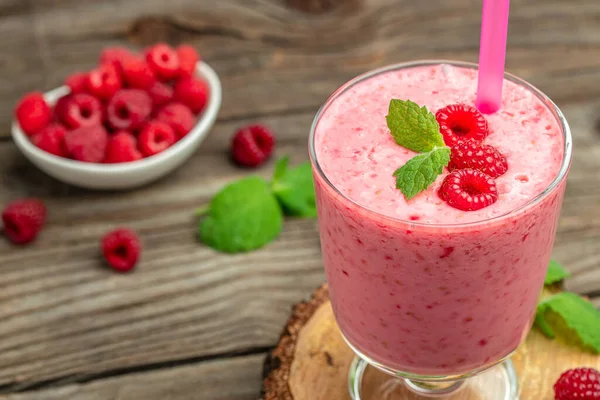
(492,54)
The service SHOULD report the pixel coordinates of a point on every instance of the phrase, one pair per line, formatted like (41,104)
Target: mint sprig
(416,129)
(421,171)
(243,216)
(413,127)
(295,189)
(555,273)
(248,213)
(567,315)
(574,318)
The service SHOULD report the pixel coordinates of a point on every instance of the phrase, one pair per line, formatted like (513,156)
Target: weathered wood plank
(232,379)
(63,316)
(579,230)
(265,50)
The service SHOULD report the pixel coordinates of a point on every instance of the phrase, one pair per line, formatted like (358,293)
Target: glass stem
(434,390)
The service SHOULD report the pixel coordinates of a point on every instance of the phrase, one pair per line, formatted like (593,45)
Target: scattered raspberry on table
(252,145)
(121,249)
(23,220)
(578,384)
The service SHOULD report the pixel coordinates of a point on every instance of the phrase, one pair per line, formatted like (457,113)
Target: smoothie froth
(358,154)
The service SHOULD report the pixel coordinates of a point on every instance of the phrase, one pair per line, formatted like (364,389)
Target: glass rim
(559,116)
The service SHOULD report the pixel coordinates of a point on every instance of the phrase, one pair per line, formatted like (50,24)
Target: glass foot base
(369,383)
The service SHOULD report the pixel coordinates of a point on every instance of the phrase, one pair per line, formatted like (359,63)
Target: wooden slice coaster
(311,361)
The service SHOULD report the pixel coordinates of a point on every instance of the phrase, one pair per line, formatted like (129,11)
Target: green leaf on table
(555,273)
(243,216)
(571,318)
(281,167)
(413,127)
(295,189)
(421,171)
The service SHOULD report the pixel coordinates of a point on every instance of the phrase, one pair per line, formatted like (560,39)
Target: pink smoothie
(418,286)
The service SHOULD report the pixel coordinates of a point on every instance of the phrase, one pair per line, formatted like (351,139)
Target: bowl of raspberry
(130,121)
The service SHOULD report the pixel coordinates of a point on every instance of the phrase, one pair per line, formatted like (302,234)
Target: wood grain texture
(66,319)
(290,60)
(64,316)
(230,379)
(312,361)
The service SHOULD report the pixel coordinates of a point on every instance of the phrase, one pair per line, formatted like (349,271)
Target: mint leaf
(294,189)
(413,127)
(243,216)
(572,318)
(421,171)
(416,129)
(555,273)
(281,167)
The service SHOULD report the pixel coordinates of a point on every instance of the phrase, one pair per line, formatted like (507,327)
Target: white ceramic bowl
(131,174)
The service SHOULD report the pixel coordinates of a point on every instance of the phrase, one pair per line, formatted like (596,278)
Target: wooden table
(191,323)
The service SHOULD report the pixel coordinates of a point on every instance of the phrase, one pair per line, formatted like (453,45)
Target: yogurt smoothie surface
(418,286)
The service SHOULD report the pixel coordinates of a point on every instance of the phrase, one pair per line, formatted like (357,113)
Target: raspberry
(155,137)
(77,82)
(116,56)
(87,143)
(468,190)
(178,116)
(192,92)
(23,220)
(188,58)
(122,147)
(51,139)
(164,61)
(104,81)
(160,94)
(60,107)
(461,122)
(128,109)
(252,145)
(578,384)
(33,113)
(121,249)
(79,110)
(475,155)
(137,74)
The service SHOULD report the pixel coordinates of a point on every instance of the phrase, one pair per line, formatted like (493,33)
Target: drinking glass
(440,307)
